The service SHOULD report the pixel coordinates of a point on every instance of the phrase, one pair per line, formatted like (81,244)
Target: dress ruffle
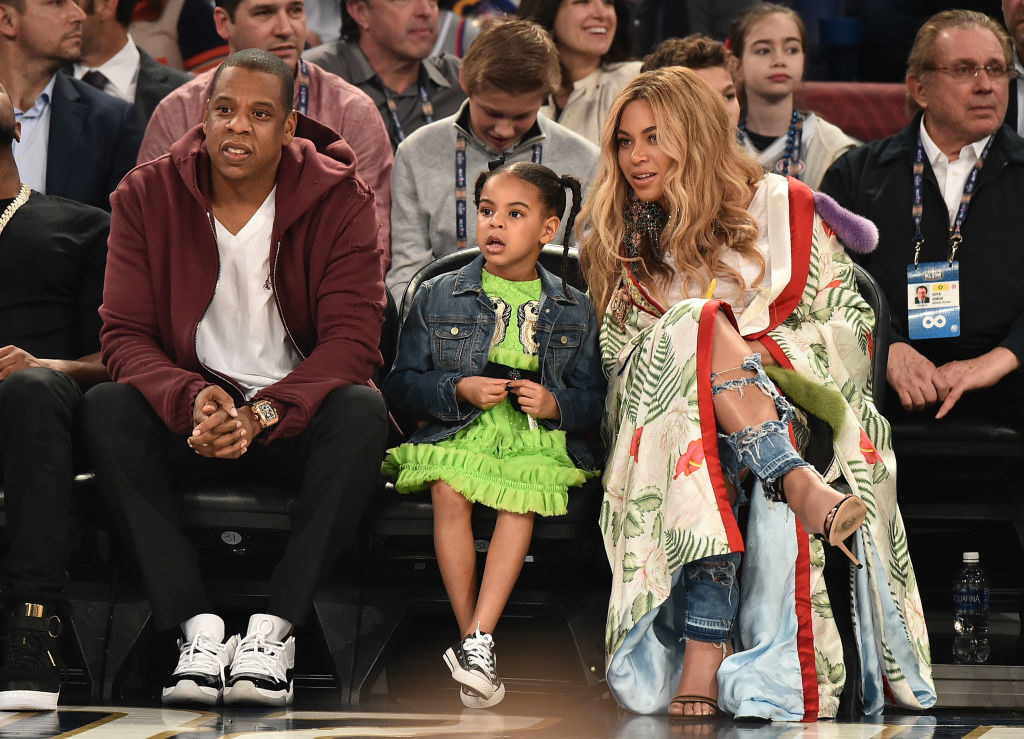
(497,460)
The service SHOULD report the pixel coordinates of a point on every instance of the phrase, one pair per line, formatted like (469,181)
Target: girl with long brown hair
(770,42)
(702,270)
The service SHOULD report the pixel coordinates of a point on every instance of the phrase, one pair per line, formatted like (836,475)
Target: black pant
(335,463)
(37,411)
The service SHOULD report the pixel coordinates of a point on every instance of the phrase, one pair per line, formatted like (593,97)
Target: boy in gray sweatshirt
(507,73)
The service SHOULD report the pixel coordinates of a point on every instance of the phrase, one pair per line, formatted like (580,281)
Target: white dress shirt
(31,153)
(121,71)
(242,336)
(951,176)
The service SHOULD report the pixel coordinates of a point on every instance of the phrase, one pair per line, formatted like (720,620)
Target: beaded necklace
(794,138)
(23,194)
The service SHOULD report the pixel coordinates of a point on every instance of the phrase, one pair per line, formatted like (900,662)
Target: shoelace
(258,654)
(202,655)
(478,649)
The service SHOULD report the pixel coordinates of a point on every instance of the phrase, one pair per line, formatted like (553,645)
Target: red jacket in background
(163,264)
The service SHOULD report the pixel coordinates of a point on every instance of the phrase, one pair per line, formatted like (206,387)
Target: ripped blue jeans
(765,449)
(706,598)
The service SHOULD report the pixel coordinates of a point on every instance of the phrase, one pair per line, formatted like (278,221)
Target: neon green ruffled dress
(498,460)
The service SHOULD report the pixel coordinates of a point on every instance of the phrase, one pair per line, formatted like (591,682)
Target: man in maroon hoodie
(241,313)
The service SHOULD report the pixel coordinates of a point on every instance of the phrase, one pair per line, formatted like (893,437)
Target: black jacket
(94,139)
(155,81)
(876,181)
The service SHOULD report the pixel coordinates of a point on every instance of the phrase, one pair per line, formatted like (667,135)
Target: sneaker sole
(245,692)
(471,680)
(186,691)
(475,701)
(28,700)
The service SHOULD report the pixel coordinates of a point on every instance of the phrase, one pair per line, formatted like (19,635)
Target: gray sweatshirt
(423,186)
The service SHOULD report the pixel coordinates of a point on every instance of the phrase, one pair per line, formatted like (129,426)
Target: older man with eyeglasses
(946,193)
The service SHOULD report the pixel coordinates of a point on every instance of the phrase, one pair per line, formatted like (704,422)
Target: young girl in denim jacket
(502,358)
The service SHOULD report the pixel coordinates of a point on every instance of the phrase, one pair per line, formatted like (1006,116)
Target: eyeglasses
(964,72)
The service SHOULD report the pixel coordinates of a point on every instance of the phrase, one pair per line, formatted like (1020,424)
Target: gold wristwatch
(265,414)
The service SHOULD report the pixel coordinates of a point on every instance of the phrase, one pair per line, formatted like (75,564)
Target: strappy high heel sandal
(841,521)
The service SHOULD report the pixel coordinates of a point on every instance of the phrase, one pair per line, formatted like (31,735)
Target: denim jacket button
(455,330)
(565,339)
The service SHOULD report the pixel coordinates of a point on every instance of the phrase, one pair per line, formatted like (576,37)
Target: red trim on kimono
(805,629)
(708,426)
(801,234)
(801,584)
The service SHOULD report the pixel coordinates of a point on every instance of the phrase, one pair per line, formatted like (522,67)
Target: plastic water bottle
(970,613)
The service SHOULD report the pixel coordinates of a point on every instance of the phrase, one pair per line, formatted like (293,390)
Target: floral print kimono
(665,502)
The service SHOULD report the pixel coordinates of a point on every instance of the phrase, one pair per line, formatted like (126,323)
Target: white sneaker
(473,664)
(199,676)
(261,672)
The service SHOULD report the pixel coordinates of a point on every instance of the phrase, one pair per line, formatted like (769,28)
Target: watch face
(265,410)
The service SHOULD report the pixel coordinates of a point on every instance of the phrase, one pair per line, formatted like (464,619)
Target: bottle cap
(971,557)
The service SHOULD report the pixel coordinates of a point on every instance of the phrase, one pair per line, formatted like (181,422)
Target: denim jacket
(447,336)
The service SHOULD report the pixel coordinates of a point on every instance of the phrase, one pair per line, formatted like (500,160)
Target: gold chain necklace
(10,210)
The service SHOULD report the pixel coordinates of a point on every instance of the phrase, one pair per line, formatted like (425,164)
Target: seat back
(550,259)
(864,110)
(871,291)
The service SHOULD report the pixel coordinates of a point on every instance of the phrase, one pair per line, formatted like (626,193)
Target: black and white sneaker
(261,672)
(31,677)
(472,663)
(199,676)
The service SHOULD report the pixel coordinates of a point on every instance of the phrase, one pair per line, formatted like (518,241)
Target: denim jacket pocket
(563,343)
(452,342)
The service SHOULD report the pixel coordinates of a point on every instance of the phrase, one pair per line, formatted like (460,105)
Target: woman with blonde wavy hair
(704,272)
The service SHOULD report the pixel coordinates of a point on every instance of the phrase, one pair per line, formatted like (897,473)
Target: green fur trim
(819,400)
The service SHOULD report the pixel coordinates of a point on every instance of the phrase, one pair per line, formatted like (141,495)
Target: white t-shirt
(242,336)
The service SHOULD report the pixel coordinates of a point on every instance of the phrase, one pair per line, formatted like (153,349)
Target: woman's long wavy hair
(706,191)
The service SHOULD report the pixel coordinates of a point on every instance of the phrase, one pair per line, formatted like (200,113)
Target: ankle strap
(48,624)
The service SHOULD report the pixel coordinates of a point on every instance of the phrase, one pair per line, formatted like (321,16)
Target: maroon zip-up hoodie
(163,263)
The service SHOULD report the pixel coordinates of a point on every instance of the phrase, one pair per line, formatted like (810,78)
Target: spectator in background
(508,72)
(384,50)
(593,46)
(112,63)
(75,142)
(179,33)
(957,83)
(1013,14)
(455,31)
(708,58)
(770,42)
(262,379)
(52,253)
(279,26)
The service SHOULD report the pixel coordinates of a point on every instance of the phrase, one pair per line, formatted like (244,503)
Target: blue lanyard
(303,88)
(460,185)
(794,140)
(425,105)
(917,211)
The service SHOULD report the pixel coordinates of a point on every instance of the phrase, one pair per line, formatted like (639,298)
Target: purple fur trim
(858,234)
